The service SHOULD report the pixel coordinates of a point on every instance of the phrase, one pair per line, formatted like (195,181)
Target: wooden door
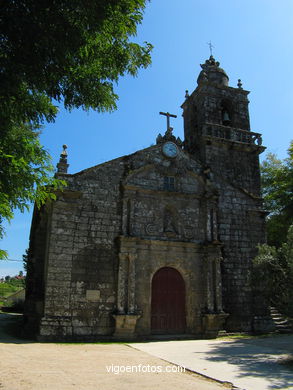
(168,302)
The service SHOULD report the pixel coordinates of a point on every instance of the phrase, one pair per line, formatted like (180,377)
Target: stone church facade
(160,241)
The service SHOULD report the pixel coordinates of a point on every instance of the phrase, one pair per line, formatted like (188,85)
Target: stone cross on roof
(168,135)
(168,115)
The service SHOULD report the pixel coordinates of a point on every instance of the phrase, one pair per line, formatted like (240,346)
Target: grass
(91,342)
(8,288)
(246,336)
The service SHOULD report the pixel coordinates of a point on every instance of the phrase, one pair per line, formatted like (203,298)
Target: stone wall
(82,263)
(235,169)
(36,269)
(234,164)
(241,227)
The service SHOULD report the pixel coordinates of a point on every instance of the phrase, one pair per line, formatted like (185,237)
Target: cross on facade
(211,47)
(168,115)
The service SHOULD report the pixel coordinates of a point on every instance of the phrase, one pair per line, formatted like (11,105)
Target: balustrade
(232,134)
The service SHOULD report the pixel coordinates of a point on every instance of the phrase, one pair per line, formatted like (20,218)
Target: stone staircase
(283,324)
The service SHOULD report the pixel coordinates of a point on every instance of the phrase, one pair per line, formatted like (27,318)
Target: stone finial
(239,84)
(259,140)
(179,142)
(62,165)
(159,138)
(210,62)
(168,136)
(212,73)
(64,153)
(186,94)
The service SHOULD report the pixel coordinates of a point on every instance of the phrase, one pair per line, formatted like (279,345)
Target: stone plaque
(93,295)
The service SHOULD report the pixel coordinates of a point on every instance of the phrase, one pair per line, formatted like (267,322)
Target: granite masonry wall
(80,289)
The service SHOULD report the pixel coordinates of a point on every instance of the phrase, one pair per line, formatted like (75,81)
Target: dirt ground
(28,365)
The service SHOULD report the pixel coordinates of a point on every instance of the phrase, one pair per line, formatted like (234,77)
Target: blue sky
(252,40)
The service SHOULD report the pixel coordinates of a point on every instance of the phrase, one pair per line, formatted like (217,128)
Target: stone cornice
(135,189)
(131,244)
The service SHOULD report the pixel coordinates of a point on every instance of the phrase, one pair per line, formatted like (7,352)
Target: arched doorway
(168,302)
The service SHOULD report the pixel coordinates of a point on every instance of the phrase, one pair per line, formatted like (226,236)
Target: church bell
(226,118)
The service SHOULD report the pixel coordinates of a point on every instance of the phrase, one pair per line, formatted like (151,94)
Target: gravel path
(28,365)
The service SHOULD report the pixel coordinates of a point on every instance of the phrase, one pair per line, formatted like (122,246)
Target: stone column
(122,283)
(125,217)
(215,225)
(208,227)
(126,317)
(209,285)
(218,285)
(214,320)
(131,283)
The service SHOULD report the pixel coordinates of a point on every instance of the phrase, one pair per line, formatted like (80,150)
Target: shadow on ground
(270,358)
(11,325)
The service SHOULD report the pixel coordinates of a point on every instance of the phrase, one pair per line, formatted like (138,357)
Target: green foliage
(18,283)
(25,172)
(3,253)
(10,287)
(277,185)
(25,258)
(273,274)
(273,267)
(70,51)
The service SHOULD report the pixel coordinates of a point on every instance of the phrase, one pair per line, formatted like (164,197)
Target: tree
(277,186)
(70,51)
(273,274)
(25,258)
(273,267)
(25,173)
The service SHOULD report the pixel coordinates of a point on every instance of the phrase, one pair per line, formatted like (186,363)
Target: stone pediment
(155,156)
(155,178)
(148,169)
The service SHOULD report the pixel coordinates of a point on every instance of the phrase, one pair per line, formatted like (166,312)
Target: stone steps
(283,324)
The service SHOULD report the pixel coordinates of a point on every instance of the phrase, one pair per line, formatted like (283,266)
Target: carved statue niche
(170,222)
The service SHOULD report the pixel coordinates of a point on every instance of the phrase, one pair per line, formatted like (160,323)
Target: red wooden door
(168,302)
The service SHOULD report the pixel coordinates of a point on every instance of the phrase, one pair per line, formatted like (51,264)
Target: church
(158,242)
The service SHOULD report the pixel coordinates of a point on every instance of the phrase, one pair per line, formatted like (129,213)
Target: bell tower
(217,134)
(217,128)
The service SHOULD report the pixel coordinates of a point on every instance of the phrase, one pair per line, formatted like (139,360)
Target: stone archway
(168,302)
